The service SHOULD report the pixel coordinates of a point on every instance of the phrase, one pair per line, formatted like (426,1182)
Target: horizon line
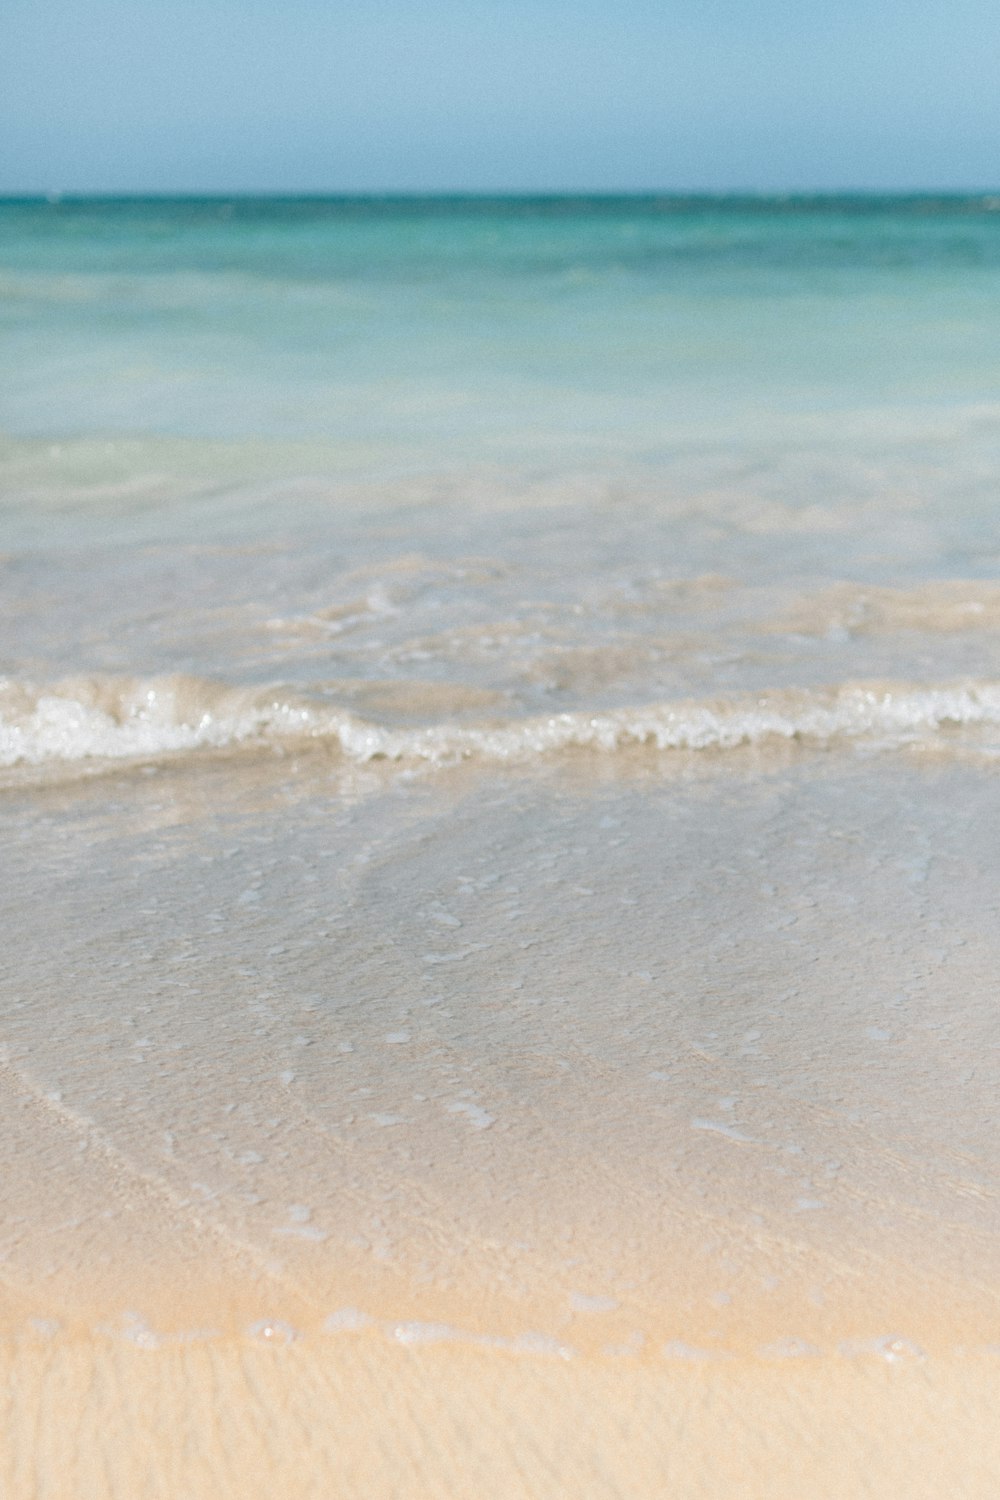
(61,195)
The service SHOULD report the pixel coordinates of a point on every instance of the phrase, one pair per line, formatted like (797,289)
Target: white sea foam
(126,719)
(678,1349)
(411,1333)
(347,1320)
(892,1348)
(478,1118)
(582,1302)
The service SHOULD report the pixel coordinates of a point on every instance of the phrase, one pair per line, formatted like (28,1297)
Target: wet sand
(599,1129)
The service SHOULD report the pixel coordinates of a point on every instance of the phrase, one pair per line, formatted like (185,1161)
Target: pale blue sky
(498,95)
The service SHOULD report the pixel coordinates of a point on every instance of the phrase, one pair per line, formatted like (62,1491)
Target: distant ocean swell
(111,718)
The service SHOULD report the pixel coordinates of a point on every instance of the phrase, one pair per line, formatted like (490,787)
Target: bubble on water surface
(272,1331)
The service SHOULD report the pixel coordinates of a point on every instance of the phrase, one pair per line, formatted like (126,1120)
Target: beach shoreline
(499,727)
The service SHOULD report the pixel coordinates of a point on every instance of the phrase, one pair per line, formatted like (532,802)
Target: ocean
(499,734)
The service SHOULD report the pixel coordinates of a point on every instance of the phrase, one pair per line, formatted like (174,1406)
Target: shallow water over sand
(709,1044)
(499,728)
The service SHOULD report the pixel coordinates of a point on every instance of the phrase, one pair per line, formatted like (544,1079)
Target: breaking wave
(113,718)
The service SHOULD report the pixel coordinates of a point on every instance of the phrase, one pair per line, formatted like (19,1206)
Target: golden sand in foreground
(359,1418)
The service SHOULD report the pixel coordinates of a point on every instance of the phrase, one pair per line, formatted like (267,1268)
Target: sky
(118,96)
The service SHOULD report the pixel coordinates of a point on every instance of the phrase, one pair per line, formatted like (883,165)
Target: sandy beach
(92,1421)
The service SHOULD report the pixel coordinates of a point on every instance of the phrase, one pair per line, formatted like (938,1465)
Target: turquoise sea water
(504,328)
(499,716)
(601,397)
